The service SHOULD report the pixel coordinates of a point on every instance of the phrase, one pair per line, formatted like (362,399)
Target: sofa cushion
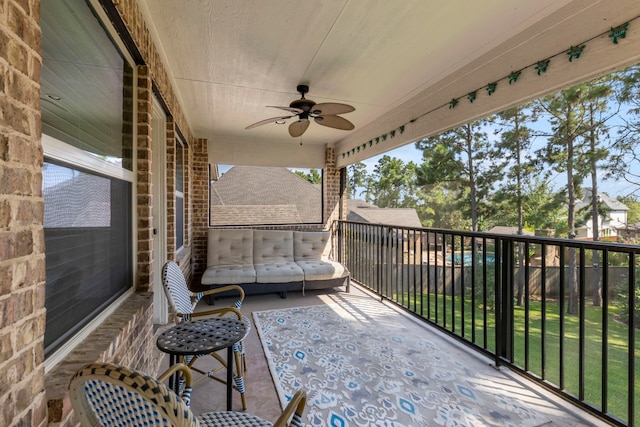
(272,246)
(279,272)
(311,245)
(322,270)
(229,275)
(229,247)
(273,257)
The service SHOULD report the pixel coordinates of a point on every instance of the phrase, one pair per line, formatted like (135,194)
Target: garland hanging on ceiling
(540,67)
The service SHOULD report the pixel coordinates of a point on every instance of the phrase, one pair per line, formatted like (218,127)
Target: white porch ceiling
(392,60)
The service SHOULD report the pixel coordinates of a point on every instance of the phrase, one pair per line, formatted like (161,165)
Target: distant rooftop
(610,202)
(247,195)
(361,211)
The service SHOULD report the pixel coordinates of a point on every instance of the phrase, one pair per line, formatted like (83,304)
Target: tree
(597,106)
(460,157)
(563,152)
(625,157)
(389,184)
(313,176)
(513,147)
(632,202)
(356,179)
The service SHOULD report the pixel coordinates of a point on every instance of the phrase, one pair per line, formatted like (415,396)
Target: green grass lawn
(450,315)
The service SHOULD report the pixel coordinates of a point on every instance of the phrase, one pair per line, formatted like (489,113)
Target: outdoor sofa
(267,261)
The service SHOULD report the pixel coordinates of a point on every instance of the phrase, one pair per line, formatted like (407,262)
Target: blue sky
(408,153)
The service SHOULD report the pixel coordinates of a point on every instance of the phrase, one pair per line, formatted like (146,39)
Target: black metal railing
(563,312)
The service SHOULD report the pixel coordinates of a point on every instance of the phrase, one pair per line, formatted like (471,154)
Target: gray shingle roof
(264,195)
(610,202)
(360,211)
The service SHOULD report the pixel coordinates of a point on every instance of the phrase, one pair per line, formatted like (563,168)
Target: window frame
(54,149)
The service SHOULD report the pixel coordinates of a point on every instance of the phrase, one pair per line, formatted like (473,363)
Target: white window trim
(58,150)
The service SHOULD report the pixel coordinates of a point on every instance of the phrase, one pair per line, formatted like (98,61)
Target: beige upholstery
(229,257)
(312,250)
(273,257)
(246,256)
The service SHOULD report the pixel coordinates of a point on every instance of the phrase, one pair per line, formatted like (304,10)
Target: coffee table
(199,337)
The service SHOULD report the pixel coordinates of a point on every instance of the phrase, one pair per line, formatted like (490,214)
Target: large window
(87,114)
(252,195)
(87,229)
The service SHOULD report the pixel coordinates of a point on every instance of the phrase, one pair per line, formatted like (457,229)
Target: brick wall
(22,315)
(27,395)
(144,178)
(125,338)
(200,206)
(331,189)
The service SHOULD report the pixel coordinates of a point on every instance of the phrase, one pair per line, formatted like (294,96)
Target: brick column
(331,188)
(144,203)
(22,266)
(200,206)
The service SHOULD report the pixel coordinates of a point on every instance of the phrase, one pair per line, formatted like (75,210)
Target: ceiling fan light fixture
(325,114)
(280,122)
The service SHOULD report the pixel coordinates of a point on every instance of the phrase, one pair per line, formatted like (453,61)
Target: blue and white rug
(369,367)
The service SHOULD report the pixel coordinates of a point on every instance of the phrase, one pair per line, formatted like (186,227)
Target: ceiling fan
(325,114)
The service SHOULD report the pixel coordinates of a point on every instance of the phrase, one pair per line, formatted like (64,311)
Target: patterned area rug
(365,367)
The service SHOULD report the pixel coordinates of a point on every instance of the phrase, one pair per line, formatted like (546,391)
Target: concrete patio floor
(262,397)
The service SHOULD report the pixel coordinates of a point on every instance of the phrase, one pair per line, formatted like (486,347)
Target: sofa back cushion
(272,246)
(311,245)
(228,247)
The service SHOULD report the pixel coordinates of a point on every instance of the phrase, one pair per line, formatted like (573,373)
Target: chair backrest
(176,289)
(112,395)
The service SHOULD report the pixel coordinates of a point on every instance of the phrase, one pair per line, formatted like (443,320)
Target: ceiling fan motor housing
(304,104)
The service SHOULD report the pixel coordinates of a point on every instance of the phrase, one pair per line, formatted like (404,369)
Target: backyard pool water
(467,258)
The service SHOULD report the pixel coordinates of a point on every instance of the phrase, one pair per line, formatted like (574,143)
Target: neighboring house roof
(360,211)
(82,200)
(264,195)
(610,202)
(503,229)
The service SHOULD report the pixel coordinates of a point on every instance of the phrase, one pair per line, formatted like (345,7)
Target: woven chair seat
(104,394)
(235,419)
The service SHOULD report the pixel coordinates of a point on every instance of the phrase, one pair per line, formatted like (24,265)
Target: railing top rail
(556,241)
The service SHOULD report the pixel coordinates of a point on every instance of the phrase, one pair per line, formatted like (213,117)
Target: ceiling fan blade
(335,122)
(293,110)
(264,122)
(331,108)
(297,128)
